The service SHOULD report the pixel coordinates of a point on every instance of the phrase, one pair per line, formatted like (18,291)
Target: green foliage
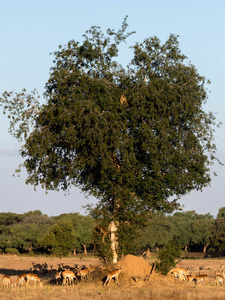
(11,251)
(201,232)
(217,238)
(135,136)
(103,250)
(59,239)
(167,256)
(221,213)
(23,231)
(157,231)
(128,239)
(83,227)
(7,219)
(191,228)
(131,136)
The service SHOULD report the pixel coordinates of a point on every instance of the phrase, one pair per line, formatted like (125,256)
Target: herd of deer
(65,275)
(182,274)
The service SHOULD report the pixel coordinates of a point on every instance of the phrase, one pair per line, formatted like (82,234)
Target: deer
(218,278)
(68,276)
(34,277)
(58,277)
(180,273)
(83,273)
(36,266)
(65,267)
(201,277)
(113,274)
(7,282)
(60,268)
(20,280)
(190,278)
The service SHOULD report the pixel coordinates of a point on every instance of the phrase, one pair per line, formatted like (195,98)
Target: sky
(31,30)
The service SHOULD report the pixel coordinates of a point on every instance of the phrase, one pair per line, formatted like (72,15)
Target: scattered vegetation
(167,257)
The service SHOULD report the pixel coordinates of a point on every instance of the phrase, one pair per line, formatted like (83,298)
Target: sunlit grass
(158,287)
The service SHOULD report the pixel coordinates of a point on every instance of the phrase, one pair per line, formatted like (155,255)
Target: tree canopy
(136,137)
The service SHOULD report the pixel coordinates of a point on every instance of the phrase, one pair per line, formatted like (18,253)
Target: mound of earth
(135,266)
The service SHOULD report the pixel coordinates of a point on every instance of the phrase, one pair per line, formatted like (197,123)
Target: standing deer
(113,274)
(7,282)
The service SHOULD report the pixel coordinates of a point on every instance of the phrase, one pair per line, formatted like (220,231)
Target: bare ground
(157,288)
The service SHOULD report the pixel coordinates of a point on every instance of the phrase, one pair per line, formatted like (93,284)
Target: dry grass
(158,287)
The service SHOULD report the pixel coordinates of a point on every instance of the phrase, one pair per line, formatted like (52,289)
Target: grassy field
(158,287)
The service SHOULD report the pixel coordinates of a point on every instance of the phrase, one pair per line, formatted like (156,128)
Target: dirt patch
(135,266)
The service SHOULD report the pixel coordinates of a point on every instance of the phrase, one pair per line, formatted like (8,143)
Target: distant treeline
(37,233)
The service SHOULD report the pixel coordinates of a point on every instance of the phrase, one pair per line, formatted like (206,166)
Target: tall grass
(155,289)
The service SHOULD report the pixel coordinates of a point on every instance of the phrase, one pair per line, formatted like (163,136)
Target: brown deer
(113,274)
(20,280)
(7,282)
(34,277)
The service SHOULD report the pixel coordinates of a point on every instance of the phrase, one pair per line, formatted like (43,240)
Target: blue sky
(31,30)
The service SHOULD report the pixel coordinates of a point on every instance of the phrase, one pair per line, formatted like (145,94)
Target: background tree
(134,137)
(24,235)
(217,238)
(59,239)
(7,220)
(201,231)
(32,228)
(192,229)
(221,213)
(83,227)
(182,227)
(158,231)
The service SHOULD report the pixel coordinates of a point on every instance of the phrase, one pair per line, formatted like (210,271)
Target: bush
(11,251)
(167,256)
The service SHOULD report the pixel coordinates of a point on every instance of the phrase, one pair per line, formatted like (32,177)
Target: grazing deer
(68,276)
(20,280)
(34,277)
(114,274)
(7,282)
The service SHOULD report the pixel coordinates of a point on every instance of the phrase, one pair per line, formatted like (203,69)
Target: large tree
(136,137)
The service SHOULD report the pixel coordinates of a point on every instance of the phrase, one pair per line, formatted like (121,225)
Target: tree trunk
(205,248)
(114,243)
(85,248)
(74,252)
(186,248)
(30,248)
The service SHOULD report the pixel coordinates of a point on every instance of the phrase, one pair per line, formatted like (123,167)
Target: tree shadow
(12,272)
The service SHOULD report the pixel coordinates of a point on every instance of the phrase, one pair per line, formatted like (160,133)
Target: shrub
(167,256)
(11,251)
